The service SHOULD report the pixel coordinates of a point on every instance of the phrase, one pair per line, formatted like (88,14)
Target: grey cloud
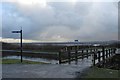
(61,21)
(83,8)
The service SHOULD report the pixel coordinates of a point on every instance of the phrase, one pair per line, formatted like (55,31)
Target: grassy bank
(95,73)
(17,61)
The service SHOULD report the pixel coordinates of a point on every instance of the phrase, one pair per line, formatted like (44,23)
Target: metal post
(20,41)
(21,44)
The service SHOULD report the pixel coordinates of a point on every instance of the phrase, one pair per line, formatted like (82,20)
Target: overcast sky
(60,21)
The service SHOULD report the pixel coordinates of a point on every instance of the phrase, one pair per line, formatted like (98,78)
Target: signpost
(20,40)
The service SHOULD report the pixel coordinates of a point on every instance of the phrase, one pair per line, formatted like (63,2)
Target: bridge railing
(98,53)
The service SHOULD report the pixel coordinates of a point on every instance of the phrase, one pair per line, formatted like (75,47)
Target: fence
(99,54)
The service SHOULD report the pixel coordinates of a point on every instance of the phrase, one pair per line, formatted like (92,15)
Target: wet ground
(45,70)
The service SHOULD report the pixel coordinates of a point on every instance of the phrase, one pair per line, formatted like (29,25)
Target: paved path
(44,70)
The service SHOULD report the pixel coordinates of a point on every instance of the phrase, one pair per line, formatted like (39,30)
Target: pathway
(45,70)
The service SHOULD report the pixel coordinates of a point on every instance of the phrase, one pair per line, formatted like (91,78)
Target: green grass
(17,61)
(95,72)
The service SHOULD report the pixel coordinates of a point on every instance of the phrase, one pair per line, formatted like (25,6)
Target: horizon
(30,41)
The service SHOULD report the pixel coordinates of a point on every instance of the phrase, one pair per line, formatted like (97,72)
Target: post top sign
(16,31)
(76,40)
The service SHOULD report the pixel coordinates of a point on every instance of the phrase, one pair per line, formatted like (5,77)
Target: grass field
(17,61)
(95,73)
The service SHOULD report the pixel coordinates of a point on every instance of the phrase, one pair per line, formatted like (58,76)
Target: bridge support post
(69,55)
(109,52)
(99,56)
(91,52)
(82,55)
(106,54)
(60,57)
(94,57)
(87,53)
(114,51)
(103,55)
(76,55)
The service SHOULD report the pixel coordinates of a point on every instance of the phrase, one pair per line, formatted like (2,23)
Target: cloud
(61,21)
(11,40)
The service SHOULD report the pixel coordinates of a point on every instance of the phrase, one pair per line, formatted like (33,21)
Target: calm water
(86,61)
(33,59)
